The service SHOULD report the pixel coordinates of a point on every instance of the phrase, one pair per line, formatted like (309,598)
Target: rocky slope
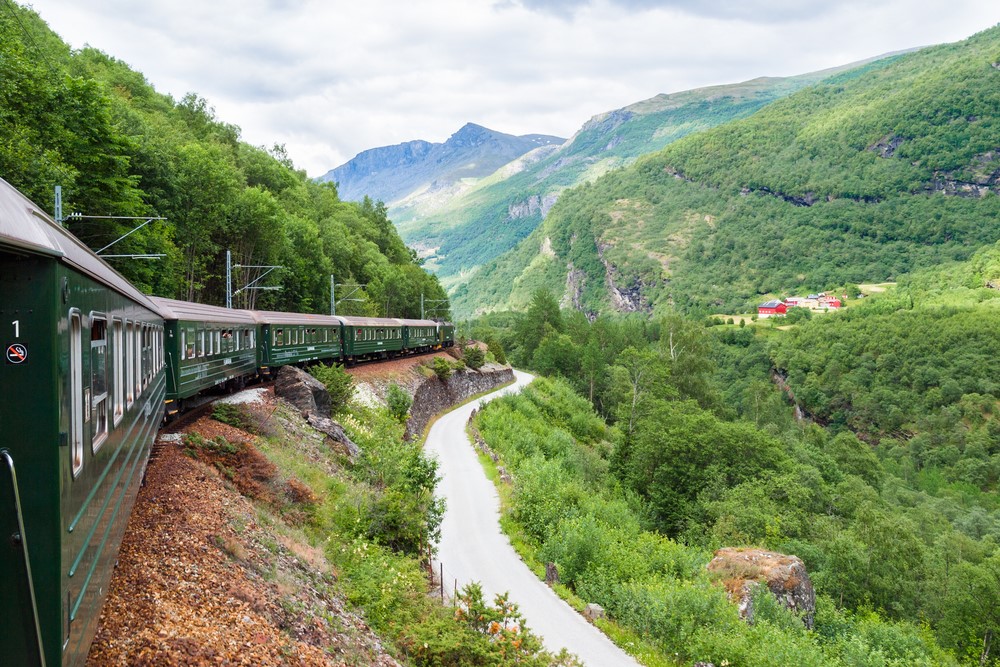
(393,173)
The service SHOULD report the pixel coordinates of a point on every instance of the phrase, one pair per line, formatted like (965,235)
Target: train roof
(371,321)
(276,317)
(25,226)
(417,323)
(172,309)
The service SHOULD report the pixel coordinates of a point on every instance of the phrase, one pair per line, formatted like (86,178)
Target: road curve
(473,548)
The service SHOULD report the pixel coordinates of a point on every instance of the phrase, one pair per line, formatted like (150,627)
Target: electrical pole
(252,285)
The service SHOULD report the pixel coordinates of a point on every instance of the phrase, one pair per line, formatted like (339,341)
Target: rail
(21,538)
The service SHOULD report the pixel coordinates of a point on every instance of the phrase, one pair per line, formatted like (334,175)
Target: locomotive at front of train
(81,396)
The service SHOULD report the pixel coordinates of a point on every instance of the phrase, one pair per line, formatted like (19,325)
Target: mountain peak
(391,173)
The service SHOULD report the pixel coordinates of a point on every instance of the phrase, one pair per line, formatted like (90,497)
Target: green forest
(864,177)
(652,442)
(86,122)
(476,226)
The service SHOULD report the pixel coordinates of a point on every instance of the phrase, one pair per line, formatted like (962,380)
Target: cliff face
(432,395)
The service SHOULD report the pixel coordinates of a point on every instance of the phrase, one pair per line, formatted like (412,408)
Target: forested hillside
(489,218)
(865,176)
(91,124)
(663,439)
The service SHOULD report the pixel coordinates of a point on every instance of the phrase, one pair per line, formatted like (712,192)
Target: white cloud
(332,79)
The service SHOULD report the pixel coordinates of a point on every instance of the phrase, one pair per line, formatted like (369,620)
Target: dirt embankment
(201,580)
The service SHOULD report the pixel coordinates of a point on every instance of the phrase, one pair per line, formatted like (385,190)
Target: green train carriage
(371,338)
(82,391)
(297,338)
(205,347)
(419,335)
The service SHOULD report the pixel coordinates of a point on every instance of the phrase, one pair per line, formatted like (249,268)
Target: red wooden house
(772,308)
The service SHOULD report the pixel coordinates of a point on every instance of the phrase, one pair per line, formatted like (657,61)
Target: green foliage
(860,178)
(716,481)
(496,349)
(399,401)
(339,384)
(234,415)
(89,123)
(442,369)
(474,357)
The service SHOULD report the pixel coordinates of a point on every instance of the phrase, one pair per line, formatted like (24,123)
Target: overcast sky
(331,78)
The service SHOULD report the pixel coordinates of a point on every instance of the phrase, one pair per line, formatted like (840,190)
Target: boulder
(302,390)
(593,611)
(551,574)
(335,432)
(742,570)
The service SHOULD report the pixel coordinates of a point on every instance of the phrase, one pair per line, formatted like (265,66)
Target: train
(92,368)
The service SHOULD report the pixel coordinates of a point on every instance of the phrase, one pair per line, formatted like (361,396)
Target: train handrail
(9,460)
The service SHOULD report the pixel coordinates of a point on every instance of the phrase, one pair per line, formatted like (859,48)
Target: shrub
(496,349)
(442,368)
(399,401)
(474,357)
(339,384)
(234,415)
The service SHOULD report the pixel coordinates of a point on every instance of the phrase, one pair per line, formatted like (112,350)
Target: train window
(218,341)
(147,355)
(76,408)
(201,342)
(99,381)
(118,342)
(279,335)
(184,347)
(129,364)
(137,348)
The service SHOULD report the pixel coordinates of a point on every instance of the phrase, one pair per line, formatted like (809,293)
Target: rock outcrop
(432,395)
(742,570)
(310,397)
(335,432)
(302,390)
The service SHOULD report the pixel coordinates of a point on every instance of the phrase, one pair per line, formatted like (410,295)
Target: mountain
(391,173)
(865,176)
(463,230)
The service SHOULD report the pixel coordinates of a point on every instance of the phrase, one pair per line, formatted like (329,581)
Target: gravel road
(473,548)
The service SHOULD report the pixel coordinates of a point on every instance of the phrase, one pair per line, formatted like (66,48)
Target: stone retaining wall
(433,396)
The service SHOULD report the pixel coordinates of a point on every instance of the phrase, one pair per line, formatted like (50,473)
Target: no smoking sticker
(16,354)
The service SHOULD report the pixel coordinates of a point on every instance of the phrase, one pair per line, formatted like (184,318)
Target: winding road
(473,548)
